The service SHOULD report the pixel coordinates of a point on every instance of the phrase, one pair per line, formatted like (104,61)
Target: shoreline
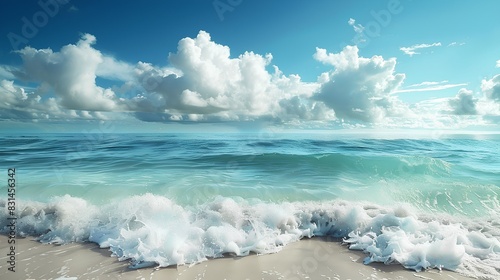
(313,258)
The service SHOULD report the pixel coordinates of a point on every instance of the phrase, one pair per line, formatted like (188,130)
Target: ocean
(171,199)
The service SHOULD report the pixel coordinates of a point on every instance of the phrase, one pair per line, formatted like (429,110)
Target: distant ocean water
(165,199)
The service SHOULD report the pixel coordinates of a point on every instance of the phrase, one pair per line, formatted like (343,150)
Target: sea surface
(169,199)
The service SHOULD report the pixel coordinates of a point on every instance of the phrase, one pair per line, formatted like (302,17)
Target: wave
(331,163)
(152,230)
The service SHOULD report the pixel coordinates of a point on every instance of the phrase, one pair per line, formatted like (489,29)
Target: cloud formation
(429,86)
(6,72)
(204,82)
(358,28)
(464,103)
(486,105)
(212,83)
(413,49)
(453,44)
(71,73)
(360,88)
(18,104)
(491,88)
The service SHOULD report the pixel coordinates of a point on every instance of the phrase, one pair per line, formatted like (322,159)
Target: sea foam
(152,230)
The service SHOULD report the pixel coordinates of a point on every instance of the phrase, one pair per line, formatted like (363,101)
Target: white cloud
(358,28)
(413,49)
(6,72)
(426,83)
(241,84)
(18,104)
(465,110)
(305,110)
(203,82)
(360,88)
(464,103)
(210,82)
(12,95)
(438,115)
(491,88)
(498,63)
(487,105)
(113,69)
(347,58)
(488,108)
(452,44)
(71,73)
(429,86)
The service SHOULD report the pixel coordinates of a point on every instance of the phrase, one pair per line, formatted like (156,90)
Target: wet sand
(308,259)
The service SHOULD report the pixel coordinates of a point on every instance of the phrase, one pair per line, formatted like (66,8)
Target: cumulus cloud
(71,73)
(213,82)
(201,83)
(18,104)
(498,63)
(305,109)
(487,105)
(113,69)
(464,103)
(360,88)
(204,82)
(437,114)
(210,82)
(491,88)
(413,49)
(6,72)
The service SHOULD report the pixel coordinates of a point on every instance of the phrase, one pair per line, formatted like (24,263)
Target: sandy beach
(308,259)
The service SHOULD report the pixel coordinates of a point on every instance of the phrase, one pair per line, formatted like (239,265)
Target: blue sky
(208,65)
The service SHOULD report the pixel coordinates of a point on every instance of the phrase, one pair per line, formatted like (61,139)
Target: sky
(232,65)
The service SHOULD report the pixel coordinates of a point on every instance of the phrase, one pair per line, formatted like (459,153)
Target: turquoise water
(451,180)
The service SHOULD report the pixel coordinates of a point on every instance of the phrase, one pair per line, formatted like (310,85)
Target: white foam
(153,230)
